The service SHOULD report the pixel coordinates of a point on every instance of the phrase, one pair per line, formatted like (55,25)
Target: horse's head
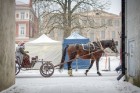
(112,46)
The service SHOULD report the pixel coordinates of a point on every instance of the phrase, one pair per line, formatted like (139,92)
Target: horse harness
(91,47)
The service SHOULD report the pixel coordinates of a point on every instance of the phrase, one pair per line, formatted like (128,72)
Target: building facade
(107,26)
(26,21)
(95,25)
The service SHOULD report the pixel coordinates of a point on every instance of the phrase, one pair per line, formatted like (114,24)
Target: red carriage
(46,69)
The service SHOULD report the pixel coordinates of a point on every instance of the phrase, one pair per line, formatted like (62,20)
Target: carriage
(43,71)
(93,51)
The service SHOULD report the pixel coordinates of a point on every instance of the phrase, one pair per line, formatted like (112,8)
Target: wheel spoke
(47,69)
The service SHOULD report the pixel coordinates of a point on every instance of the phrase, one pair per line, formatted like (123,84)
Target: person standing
(119,68)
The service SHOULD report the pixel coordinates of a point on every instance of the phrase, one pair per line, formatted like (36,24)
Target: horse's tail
(63,57)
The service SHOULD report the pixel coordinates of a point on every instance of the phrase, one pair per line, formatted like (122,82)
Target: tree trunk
(67,25)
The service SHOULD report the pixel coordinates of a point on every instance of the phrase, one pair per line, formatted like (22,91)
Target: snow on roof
(43,39)
(21,2)
(75,35)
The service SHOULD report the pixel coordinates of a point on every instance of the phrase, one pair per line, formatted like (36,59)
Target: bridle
(113,47)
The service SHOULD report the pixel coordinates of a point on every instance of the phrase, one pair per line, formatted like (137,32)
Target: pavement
(32,82)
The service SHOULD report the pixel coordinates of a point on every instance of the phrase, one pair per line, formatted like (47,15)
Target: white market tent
(43,39)
(45,48)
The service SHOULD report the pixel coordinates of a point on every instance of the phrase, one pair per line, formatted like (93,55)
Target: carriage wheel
(17,68)
(47,69)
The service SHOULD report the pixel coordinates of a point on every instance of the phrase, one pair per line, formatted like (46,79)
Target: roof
(43,39)
(75,36)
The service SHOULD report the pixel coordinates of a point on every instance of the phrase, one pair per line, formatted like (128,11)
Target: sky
(115,7)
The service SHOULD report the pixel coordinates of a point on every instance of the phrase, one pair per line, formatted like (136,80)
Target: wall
(7,43)
(133,40)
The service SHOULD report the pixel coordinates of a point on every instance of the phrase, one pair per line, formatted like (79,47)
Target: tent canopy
(75,38)
(43,39)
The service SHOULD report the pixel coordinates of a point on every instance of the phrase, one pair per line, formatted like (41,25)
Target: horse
(93,51)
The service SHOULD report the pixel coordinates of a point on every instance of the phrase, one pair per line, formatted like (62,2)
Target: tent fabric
(45,53)
(42,40)
(45,48)
(75,38)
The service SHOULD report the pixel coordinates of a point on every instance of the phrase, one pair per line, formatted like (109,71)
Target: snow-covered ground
(32,82)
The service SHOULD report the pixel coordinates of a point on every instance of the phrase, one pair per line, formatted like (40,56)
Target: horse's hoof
(70,75)
(86,74)
(99,73)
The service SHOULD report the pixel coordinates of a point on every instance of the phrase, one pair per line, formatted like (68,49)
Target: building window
(22,15)
(102,21)
(116,22)
(17,15)
(102,34)
(110,22)
(30,16)
(27,16)
(113,34)
(22,30)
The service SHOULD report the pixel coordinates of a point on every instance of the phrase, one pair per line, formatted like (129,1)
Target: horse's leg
(71,58)
(69,68)
(91,64)
(97,66)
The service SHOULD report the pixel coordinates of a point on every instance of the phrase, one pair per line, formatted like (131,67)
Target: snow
(32,82)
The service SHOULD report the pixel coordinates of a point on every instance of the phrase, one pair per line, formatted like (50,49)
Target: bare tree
(67,15)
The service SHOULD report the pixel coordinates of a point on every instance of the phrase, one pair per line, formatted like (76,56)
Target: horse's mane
(102,42)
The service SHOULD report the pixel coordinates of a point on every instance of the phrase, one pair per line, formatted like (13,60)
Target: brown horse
(91,51)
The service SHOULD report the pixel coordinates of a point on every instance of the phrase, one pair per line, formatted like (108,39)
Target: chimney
(30,3)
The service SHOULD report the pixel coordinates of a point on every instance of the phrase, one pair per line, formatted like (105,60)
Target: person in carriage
(21,54)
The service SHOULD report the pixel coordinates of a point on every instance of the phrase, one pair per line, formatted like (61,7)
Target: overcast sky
(115,7)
